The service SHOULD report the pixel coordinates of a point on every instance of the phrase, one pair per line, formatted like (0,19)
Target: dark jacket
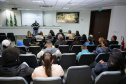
(113,42)
(15,69)
(60,42)
(100,67)
(101,50)
(61,34)
(35,26)
(76,43)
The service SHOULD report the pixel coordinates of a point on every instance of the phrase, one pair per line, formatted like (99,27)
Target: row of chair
(74,75)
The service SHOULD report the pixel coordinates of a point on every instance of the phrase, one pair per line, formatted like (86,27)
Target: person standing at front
(35,27)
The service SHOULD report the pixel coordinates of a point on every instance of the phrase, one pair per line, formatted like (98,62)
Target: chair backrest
(26,42)
(112,46)
(109,77)
(34,49)
(69,42)
(12,80)
(86,59)
(124,55)
(78,75)
(1,60)
(2,34)
(11,36)
(91,48)
(76,49)
(2,37)
(82,41)
(64,48)
(102,56)
(67,60)
(47,80)
(22,48)
(30,59)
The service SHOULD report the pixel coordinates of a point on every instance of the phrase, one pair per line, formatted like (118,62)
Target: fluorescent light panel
(38,1)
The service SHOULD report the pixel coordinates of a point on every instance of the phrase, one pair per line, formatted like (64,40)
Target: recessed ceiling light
(65,8)
(37,1)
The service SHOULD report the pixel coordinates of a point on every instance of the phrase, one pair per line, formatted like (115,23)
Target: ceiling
(59,4)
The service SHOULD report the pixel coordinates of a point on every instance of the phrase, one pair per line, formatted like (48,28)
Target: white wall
(0,19)
(82,26)
(6,14)
(118,23)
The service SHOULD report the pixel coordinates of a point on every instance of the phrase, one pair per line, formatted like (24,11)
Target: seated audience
(71,37)
(84,50)
(49,37)
(50,49)
(77,33)
(83,37)
(113,40)
(89,41)
(52,32)
(48,69)
(29,34)
(100,41)
(5,44)
(11,66)
(115,63)
(33,42)
(60,32)
(39,37)
(76,41)
(60,40)
(103,49)
(69,32)
(20,43)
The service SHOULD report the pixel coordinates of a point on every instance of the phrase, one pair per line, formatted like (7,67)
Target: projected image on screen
(68,17)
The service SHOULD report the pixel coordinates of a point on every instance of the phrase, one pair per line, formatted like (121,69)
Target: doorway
(99,24)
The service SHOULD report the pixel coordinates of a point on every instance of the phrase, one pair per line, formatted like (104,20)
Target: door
(99,24)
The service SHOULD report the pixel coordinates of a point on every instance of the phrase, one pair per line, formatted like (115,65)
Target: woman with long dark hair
(77,33)
(48,69)
(52,32)
(115,63)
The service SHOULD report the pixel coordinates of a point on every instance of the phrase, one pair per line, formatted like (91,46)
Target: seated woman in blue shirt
(89,41)
(115,63)
(84,50)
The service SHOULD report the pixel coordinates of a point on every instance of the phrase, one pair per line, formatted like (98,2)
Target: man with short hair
(35,27)
(49,48)
(103,49)
(60,32)
(60,40)
(113,40)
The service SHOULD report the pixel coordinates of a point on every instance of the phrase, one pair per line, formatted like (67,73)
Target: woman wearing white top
(48,69)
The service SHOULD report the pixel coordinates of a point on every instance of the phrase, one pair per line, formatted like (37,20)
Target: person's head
(84,37)
(116,61)
(10,55)
(71,36)
(105,43)
(77,33)
(47,61)
(35,21)
(51,31)
(48,44)
(113,38)
(83,47)
(60,37)
(90,39)
(60,31)
(100,40)
(69,31)
(29,33)
(19,43)
(6,43)
(41,33)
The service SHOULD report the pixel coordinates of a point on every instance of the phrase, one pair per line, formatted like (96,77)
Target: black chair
(102,56)
(2,37)
(12,80)
(11,36)
(91,48)
(109,77)
(66,38)
(1,61)
(124,55)
(82,41)
(34,49)
(26,42)
(64,48)
(30,59)
(47,80)
(86,59)
(22,48)
(67,60)
(112,46)
(2,34)
(76,49)
(78,75)
(69,42)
